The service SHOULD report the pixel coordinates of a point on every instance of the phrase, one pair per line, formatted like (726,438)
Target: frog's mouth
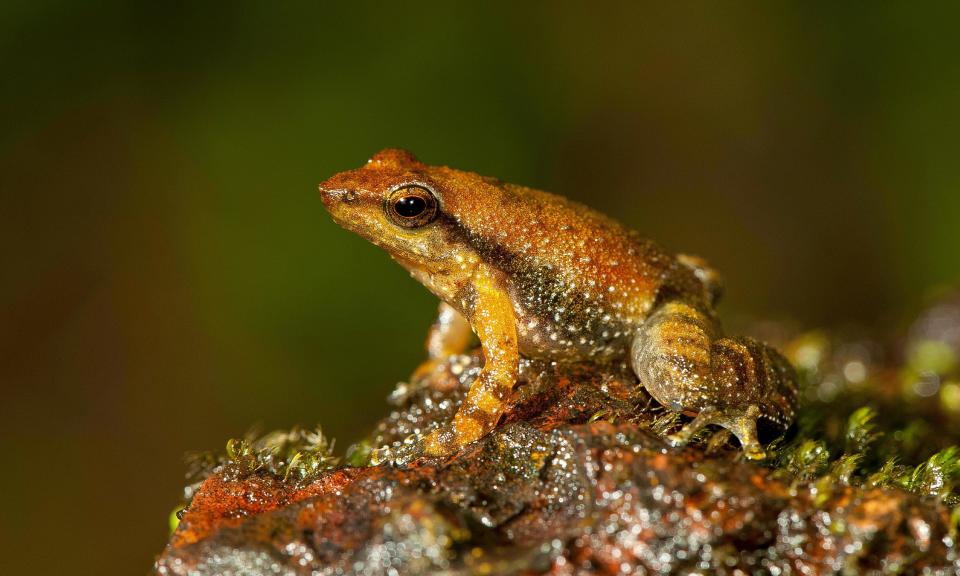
(413,265)
(425,271)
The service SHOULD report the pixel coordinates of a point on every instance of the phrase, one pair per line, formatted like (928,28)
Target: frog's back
(589,249)
(581,280)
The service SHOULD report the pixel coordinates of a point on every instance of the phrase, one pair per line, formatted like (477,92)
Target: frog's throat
(435,277)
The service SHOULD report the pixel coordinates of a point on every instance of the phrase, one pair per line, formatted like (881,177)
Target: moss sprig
(846,458)
(939,476)
(295,456)
(861,431)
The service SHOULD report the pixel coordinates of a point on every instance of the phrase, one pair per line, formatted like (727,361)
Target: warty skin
(533,274)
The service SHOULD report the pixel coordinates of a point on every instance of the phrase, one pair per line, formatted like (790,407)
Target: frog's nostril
(330,197)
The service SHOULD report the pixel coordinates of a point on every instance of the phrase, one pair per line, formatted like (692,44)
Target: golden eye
(411,206)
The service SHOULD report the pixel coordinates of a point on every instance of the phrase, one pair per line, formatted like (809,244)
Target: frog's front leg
(684,364)
(494,323)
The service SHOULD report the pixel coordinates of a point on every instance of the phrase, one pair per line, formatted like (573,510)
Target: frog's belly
(565,338)
(557,321)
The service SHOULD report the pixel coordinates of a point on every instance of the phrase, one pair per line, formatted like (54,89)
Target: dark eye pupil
(410,206)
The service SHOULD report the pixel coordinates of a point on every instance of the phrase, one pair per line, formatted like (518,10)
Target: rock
(575,480)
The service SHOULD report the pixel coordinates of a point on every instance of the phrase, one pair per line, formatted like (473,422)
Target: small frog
(536,275)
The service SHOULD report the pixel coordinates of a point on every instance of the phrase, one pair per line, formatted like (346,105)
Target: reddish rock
(575,480)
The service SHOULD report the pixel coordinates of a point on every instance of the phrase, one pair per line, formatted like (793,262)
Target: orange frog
(536,275)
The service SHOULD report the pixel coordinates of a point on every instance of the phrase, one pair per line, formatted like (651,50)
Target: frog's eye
(411,206)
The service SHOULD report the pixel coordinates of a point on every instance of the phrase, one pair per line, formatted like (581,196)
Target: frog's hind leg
(680,359)
(706,274)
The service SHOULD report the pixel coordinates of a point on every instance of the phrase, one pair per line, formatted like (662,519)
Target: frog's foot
(477,417)
(446,440)
(469,424)
(425,370)
(441,442)
(440,374)
(740,420)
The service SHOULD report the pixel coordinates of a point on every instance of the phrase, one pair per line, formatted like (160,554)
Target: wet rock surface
(577,480)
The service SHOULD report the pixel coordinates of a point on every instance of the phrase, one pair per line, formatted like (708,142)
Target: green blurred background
(169,276)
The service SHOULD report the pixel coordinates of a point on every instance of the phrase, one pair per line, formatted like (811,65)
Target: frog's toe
(438,443)
(676,441)
(441,442)
(380,455)
(682,438)
(742,422)
(754,452)
(739,420)
(706,417)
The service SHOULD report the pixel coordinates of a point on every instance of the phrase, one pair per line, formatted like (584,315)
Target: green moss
(842,470)
(599,415)
(861,431)
(805,460)
(295,456)
(664,422)
(938,476)
(888,475)
(831,451)
(359,454)
(173,519)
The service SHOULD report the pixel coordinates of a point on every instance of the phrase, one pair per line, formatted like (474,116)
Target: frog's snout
(334,196)
(329,196)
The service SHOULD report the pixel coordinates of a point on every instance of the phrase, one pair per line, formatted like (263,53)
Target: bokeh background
(169,277)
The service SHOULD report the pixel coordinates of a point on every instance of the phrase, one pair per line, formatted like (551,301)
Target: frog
(534,275)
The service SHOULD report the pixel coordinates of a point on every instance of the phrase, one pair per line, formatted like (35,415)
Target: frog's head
(402,205)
